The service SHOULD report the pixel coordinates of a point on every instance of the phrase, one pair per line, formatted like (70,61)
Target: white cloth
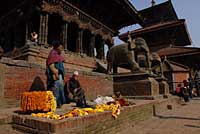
(103,100)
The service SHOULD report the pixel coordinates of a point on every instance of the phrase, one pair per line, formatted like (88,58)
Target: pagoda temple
(161,27)
(83,27)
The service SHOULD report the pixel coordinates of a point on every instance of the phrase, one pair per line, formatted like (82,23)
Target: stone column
(65,34)
(26,32)
(43,31)
(79,44)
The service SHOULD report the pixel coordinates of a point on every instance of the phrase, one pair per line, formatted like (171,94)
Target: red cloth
(185,83)
(178,89)
(53,57)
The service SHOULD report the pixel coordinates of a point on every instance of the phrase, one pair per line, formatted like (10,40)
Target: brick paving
(7,106)
(184,120)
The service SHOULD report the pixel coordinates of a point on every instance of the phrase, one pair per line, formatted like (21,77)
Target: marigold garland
(115,108)
(38,101)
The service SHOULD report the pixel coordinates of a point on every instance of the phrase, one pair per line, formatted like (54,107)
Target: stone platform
(99,123)
(136,84)
(163,86)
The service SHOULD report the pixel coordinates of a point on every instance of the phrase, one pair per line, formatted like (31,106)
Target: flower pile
(114,107)
(38,101)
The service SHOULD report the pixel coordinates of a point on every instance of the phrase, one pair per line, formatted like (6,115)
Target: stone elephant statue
(142,53)
(122,56)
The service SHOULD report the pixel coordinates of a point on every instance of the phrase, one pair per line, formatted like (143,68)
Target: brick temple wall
(18,76)
(179,77)
(37,54)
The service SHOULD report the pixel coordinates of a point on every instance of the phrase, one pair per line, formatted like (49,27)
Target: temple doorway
(19,35)
(87,42)
(54,28)
(33,23)
(72,37)
(99,46)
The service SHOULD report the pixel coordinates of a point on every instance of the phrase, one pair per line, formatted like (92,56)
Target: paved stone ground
(7,106)
(185,120)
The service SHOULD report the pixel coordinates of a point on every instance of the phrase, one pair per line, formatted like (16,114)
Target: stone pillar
(43,31)
(102,53)
(79,44)
(26,32)
(92,45)
(64,39)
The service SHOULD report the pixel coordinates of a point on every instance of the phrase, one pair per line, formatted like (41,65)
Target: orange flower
(38,101)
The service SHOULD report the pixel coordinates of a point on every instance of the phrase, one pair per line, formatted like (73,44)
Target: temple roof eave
(158,13)
(178,51)
(177,26)
(114,14)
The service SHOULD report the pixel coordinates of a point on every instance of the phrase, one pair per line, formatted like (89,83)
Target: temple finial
(153,3)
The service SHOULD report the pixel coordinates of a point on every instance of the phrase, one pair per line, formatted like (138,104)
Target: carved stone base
(163,86)
(28,52)
(136,84)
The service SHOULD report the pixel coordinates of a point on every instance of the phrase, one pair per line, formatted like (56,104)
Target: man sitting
(34,37)
(72,86)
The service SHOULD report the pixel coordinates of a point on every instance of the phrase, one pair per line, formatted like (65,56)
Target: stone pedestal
(136,84)
(163,86)
(28,52)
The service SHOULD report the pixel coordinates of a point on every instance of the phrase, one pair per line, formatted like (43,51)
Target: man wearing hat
(73,87)
(55,73)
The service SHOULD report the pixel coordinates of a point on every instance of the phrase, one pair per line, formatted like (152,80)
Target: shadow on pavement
(176,117)
(192,126)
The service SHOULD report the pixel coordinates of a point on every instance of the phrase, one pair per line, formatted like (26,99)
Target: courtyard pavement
(184,120)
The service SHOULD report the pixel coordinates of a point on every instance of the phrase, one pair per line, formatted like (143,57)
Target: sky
(185,9)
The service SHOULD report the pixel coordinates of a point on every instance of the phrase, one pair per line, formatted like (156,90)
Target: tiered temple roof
(162,34)
(161,27)
(156,14)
